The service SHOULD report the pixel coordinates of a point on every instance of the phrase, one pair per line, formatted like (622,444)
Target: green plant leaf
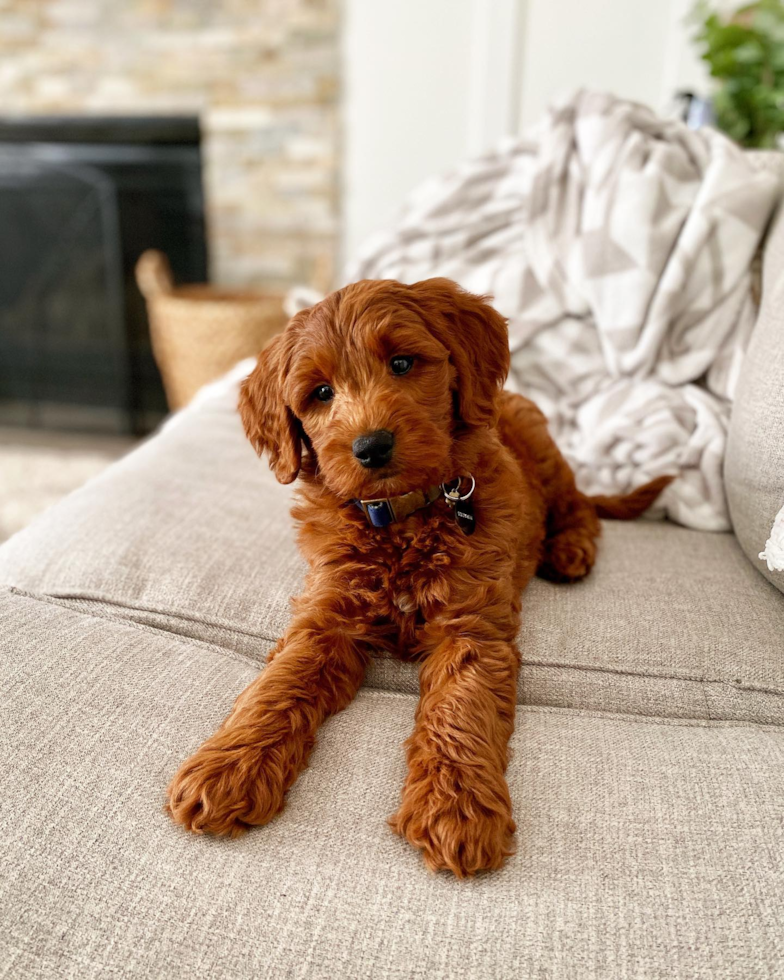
(744,52)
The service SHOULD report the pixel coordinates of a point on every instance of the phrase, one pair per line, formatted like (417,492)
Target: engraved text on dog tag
(464,515)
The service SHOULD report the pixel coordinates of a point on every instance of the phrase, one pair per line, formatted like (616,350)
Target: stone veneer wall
(261,74)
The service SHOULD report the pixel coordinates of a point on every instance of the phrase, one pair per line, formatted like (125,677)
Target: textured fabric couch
(648,769)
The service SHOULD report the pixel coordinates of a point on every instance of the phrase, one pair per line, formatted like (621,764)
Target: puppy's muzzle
(375,449)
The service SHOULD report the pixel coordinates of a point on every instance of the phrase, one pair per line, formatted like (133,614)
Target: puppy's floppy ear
(269,423)
(477,339)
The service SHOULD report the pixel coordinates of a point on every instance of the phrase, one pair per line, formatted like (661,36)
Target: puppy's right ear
(269,423)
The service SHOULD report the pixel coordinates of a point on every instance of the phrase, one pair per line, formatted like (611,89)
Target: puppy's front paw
(225,791)
(459,821)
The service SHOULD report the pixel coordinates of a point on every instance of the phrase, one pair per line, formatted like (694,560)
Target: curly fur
(420,589)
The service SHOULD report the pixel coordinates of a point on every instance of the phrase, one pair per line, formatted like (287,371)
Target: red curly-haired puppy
(394,393)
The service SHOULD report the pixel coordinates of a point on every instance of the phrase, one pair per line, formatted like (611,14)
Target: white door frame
(495,71)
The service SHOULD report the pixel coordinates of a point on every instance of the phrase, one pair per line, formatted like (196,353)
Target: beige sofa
(648,769)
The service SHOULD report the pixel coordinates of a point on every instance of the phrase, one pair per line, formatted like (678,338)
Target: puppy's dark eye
(401,365)
(324,393)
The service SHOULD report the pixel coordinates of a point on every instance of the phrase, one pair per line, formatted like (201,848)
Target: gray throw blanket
(620,247)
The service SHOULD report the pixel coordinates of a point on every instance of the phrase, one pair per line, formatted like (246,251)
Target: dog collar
(383,511)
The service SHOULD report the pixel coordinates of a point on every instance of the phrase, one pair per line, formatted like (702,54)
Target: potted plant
(745,54)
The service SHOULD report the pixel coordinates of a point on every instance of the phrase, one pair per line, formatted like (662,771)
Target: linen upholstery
(192,534)
(754,464)
(647,847)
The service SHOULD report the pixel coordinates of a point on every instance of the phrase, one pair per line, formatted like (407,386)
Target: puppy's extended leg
(456,807)
(239,776)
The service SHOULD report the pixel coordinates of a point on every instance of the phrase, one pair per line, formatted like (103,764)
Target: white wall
(429,82)
(405,97)
(639,49)
(614,45)
(426,82)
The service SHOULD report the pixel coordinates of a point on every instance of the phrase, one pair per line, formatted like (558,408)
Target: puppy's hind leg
(569,550)
(573,524)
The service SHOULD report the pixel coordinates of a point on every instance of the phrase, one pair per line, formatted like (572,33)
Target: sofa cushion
(192,534)
(646,847)
(754,463)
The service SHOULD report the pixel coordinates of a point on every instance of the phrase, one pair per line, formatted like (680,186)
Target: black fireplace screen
(80,200)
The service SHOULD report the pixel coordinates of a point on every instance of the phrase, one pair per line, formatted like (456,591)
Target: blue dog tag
(380,513)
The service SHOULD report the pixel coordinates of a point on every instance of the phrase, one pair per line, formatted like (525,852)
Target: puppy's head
(377,380)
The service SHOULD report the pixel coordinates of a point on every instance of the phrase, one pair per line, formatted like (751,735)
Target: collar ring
(465,496)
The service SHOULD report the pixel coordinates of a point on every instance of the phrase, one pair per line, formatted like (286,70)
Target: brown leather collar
(383,511)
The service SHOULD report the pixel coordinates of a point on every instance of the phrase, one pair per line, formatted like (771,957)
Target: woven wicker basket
(199,332)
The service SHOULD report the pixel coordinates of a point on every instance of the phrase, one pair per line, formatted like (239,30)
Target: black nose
(375,449)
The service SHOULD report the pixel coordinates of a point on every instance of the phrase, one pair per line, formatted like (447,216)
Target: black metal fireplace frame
(114,157)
